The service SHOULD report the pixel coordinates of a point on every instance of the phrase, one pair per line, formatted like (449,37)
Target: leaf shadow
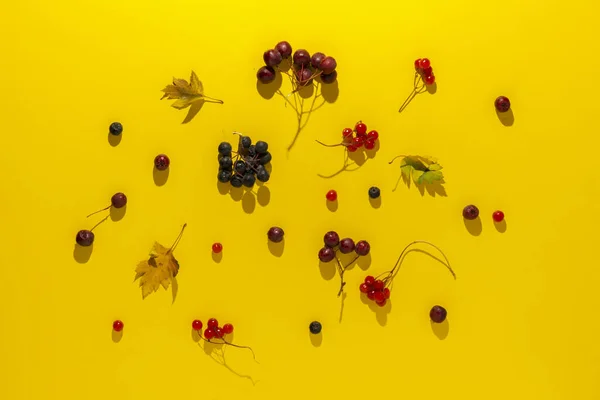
(174,288)
(194,109)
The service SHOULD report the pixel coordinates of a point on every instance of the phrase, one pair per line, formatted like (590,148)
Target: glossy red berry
(228,329)
(371,294)
(498,216)
(217,248)
(357,142)
(360,128)
(197,325)
(429,79)
(379,297)
(212,323)
(428,71)
(118,325)
(364,288)
(386,293)
(161,162)
(351,148)
(219,332)
(347,132)
(438,314)
(373,135)
(382,303)
(369,280)
(378,285)
(209,333)
(417,63)
(502,104)
(331,195)
(369,144)
(425,63)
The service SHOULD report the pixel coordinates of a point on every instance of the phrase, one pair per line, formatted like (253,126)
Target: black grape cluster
(244,167)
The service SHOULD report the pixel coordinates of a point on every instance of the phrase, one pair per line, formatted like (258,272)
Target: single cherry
(275,234)
(217,248)
(498,216)
(118,326)
(438,314)
(470,212)
(502,104)
(429,79)
(425,63)
(197,325)
(161,162)
(84,238)
(362,248)
(331,195)
(374,135)
(369,144)
(369,280)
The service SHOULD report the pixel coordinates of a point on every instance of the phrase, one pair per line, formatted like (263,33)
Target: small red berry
(357,142)
(351,148)
(228,329)
(378,285)
(502,104)
(425,63)
(118,325)
(369,280)
(212,323)
(161,162)
(347,132)
(381,303)
(438,314)
(197,325)
(379,297)
(417,63)
(217,248)
(429,79)
(364,288)
(209,333)
(428,71)
(219,332)
(498,216)
(373,135)
(331,195)
(369,144)
(386,293)
(361,128)
(371,294)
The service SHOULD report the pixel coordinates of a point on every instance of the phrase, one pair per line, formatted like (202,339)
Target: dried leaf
(159,269)
(185,94)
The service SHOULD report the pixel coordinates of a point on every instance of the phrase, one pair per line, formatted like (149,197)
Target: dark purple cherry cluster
(305,67)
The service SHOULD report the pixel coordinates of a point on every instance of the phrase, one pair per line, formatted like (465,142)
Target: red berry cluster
(376,290)
(423,68)
(354,139)
(213,330)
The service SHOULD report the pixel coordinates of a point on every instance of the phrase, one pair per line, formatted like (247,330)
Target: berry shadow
(364,262)
(263,195)
(268,90)
(248,202)
(327,270)
(332,205)
(116,336)
(236,193)
(330,92)
(276,248)
(160,177)
(506,118)
(114,140)
(434,189)
(381,313)
(316,340)
(373,152)
(500,226)
(82,254)
(441,330)
(432,89)
(196,335)
(375,203)
(223,187)
(474,226)
(217,257)
(117,214)
(306,92)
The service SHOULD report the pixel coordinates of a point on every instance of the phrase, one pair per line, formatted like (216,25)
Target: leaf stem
(212,100)
(176,242)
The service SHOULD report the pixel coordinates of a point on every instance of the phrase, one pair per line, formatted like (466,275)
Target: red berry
(502,104)
(381,303)
(118,325)
(217,248)
(429,79)
(386,293)
(364,288)
(438,314)
(331,195)
(161,162)
(379,297)
(498,216)
(351,148)
(417,63)
(361,128)
(357,142)
(369,280)
(197,325)
(378,285)
(373,135)
(347,132)
(209,333)
(425,63)
(212,323)
(369,144)
(428,71)
(371,295)
(219,332)
(228,329)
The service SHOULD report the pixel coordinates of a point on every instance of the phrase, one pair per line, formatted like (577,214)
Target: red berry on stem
(429,79)
(428,71)
(219,332)
(326,254)
(364,288)
(212,323)
(417,63)
(209,333)
(331,195)
(498,216)
(357,142)
(373,135)
(371,294)
(425,63)
(369,280)
(118,325)
(386,293)
(347,132)
(360,128)
(379,297)
(369,144)
(351,148)
(217,248)
(197,325)
(382,303)
(228,329)
(378,285)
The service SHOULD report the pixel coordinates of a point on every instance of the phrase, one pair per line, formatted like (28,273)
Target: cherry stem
(391,274)
(96,212)
(230,344)
(176,242)
(101,221)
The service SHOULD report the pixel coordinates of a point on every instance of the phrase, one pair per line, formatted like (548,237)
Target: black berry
(224,176)
(225,149)
(246,142)
(115,128)
(374,192)
(261,147)
(315,327)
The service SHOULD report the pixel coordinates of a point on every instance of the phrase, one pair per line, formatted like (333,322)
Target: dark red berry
(161,162)
(284,48)
(428,71)
(212,323)
(331,239)
(209,333)
(438,314)
(328,65)
(301,57)
(331,195)
(425,63)
(329,78)
(217,248)
(498,216)
(386,293)
(429,79)
(272,58)
(360,128)
(304,77)
(228,329)
(369,280)
(369,144)
(118,325)
(118,200)
(470,212)
(371,294)
(362,248)
(502,104)
(84,238)
(379,297)
(275,234)
(347,245)
(316,60)
(378,285)
(326,254)
(265,75)
(364,288)
(197,325)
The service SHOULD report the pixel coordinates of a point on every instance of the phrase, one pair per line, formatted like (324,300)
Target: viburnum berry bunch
(423,78)
(357,138)
(333,245)
(378,289)
(216,334)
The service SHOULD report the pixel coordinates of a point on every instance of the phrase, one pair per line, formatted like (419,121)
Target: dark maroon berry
(470,212)
(301,57)
(118,200)
(502,104)
(326,254)
(304,77)
(362,248)
(316,59)
(331,239)
(272,58)
(284,48)
(438,314)
(275,234)
(265,74)
(328,65)
(161,162)
(329,78)
(347,245)
(84,238)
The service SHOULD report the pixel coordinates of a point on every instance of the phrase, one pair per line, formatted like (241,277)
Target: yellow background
(523,312)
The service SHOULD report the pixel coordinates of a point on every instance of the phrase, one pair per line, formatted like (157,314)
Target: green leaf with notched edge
(431,177)
(416,175)
(422,170)
(406,170)
(434,167)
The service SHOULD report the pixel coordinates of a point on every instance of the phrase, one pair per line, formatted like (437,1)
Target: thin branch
(101,221)
(176,242)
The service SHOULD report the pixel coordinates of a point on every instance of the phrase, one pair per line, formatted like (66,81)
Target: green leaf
(434,167)
(416,175)
(406,171)
(431,177)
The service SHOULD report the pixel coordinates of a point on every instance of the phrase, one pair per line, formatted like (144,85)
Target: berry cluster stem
(418,87)
(342,270)
(223,341)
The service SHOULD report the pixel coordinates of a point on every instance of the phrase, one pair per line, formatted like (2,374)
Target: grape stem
(101,221)
(96,212)
(342,270)
(176,242)
(229,344)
